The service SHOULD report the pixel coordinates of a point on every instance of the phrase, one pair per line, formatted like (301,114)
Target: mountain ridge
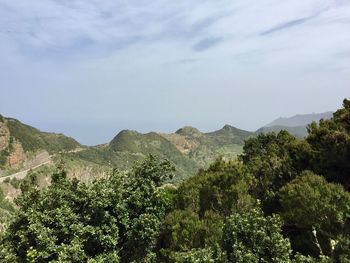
(20,142)
(299,119)
(188,147)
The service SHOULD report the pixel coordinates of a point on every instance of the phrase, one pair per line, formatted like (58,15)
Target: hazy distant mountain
(297,131)
(295,125)
(300,119)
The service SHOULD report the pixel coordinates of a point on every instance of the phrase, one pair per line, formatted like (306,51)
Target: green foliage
(106,221)
(252,238)
(223,188)
(310,203)
(194,228)
(274,160)
(3,156)
(14,182)
(330,142)
(285,200)
(6,211)
(183,231)
(197,255)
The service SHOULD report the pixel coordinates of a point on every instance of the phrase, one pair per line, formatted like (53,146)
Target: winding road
(22,174)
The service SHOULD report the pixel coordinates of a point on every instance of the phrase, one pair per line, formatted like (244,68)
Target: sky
(90,68)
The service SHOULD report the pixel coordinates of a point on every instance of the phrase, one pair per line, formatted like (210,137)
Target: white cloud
(136,57)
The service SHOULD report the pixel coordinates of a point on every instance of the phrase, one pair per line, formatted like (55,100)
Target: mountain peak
(189,131)
(228,127)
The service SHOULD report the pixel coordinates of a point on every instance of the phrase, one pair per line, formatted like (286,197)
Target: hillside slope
(20,142)
(203,148)
(128,147)
(188,148)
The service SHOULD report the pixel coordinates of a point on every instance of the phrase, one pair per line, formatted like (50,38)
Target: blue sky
(91,68)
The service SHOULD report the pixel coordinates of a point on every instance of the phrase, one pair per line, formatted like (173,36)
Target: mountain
(128,147)
(20,143)
(297,131)
(299,119)
(295,125)
(23,147)
(203,148)
(188,148)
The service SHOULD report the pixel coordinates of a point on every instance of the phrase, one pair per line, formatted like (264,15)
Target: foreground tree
(274,160)
(251,237)
(317,214)
(108,220)
(330,142)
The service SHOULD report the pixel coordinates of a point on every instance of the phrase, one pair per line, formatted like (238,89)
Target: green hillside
(204,148)
(21,143)
(188,148)
(32,139)
(129,147)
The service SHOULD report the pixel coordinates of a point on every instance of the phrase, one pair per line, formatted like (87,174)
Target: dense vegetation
(285,200)
(6,211)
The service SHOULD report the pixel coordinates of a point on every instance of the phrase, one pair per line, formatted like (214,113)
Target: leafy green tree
(223,188)
(319,210)
(202,202)
(184,232)
(253,238)
(274,160)
(330,142)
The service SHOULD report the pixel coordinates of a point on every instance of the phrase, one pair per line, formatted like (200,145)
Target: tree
(330,142)
(223,188)
(274,160)
(253,238)
(320,211)
(184,234)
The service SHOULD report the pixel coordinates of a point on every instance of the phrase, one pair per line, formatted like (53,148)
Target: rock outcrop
(4,135)
(17,155)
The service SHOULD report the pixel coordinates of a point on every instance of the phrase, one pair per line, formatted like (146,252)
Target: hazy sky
(89,68)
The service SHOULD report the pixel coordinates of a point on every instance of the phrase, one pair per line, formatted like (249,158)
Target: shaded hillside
(19,141)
